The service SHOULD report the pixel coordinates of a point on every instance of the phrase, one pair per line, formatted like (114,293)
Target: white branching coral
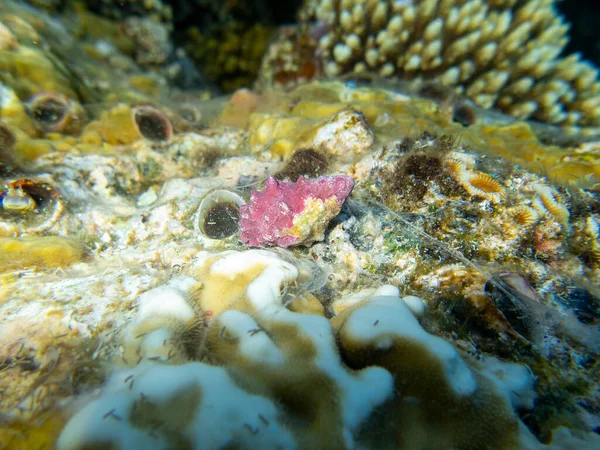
(500,53)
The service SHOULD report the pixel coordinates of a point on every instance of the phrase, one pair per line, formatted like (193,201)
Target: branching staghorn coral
(500,53)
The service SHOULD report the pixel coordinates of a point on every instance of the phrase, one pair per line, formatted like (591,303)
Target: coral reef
(451,301)
(142,210)
(502,55)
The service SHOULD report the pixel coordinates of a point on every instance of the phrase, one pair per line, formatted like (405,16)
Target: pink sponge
(286,214)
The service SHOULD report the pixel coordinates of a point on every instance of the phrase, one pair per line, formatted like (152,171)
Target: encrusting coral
(501,54)
(30,252)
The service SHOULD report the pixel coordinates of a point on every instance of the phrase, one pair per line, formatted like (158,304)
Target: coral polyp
(477,184)
(524,215)
(483,185)
(552,202)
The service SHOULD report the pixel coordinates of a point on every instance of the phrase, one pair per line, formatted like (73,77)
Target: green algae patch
(39,252)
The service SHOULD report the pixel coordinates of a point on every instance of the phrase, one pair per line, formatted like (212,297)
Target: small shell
(524,215)
(151,123)
(552,202)
(190,113)
(218,214)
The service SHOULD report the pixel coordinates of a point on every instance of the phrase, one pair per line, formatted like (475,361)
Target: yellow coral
(39,252)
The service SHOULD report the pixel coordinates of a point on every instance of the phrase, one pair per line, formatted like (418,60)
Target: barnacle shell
(151,123)
(190,113)
(29,206)
(218,214)
(56,113)
(16,199)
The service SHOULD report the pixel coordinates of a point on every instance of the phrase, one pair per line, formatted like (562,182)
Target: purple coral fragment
(269,216)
